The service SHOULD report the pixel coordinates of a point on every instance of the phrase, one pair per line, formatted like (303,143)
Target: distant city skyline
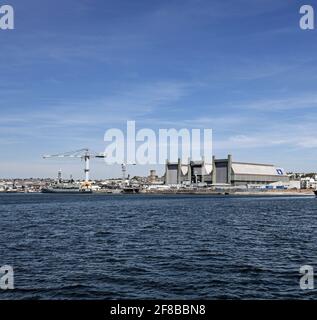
(70,70)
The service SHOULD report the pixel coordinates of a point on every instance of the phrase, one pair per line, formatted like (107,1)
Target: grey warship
(67,187)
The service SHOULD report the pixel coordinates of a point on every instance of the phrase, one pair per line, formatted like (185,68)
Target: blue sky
(72,69)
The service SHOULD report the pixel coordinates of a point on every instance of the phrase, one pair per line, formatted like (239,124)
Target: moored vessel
(131,190)
(69,188)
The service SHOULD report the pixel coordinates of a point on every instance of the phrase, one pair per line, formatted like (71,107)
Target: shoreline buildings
(223,172)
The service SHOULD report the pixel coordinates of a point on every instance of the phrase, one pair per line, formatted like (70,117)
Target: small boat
(315,192)
(11,191)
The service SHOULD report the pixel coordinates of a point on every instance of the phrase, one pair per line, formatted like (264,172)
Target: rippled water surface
(172,247)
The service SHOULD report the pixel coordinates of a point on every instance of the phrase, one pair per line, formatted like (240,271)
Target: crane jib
(82,154)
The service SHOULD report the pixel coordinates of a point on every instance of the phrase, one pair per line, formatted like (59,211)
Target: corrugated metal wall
(172,174)
(258,178)
(221,172)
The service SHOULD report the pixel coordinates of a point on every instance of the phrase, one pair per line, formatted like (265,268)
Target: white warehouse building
(224,172)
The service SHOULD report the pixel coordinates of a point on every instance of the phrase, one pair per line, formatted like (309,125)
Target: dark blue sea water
(170,247)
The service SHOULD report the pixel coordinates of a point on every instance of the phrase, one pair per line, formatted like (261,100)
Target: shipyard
(154,152)
(220,177)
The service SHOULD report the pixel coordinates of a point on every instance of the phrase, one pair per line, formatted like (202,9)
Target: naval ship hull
(66,190)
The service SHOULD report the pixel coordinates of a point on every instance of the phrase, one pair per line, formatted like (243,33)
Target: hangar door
(221,172)
(172,174)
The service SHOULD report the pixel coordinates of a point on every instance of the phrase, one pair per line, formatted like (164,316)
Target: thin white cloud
(307,101)
(267,140)
(77,117)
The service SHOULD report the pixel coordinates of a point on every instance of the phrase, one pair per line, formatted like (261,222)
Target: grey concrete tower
(179,171)
(189,173)
(166,173)
(229,168)
(214,171)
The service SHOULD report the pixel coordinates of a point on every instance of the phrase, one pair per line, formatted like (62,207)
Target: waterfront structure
(153,177)
(308,183)
(224,172)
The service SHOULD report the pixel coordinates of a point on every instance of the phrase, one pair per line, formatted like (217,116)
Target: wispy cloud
(293,137)
(132,103)
(307,101)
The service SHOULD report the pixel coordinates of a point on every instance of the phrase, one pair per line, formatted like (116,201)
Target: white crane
(124,170)
(84,154)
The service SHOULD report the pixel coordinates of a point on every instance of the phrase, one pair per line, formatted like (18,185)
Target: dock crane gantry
(124,170)
(84,154)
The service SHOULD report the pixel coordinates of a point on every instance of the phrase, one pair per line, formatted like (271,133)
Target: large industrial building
(223,172)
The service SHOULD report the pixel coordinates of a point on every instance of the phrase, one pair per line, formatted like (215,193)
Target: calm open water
(170,247)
